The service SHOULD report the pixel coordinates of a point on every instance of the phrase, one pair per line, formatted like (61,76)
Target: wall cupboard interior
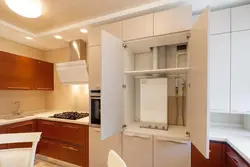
(23,73)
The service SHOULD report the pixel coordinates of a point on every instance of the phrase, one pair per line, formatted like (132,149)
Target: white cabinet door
(94,36)
(240,18)
(94,60)
(112,81)
(173,20)
(197,92)
(137,150)
(220,21)
(171,152)
(219,73)
(114,29)
(99,149)
(240,80)
(138,27)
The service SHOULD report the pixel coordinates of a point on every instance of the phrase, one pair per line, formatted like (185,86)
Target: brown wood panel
(44,76)
(21,127)
(233,159)
(66,132)
(215,157)
(2,131)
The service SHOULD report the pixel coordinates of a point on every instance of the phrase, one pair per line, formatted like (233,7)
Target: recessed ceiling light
(26,8)
(84,30)
(29,38)
(58,36)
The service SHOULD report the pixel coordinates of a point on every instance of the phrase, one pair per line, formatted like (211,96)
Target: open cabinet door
(197,100)
(111,89)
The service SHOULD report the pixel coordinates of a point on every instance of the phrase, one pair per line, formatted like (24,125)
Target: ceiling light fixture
(58,36)
(29,38)
(84,30)
(26,8)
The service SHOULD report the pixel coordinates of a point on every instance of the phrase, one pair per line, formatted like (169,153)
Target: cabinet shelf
(169,71)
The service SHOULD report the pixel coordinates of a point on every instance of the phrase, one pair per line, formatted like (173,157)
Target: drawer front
(64,152)
(70,133)
(233,159)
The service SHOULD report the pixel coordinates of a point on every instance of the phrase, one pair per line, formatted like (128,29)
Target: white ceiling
(66,18)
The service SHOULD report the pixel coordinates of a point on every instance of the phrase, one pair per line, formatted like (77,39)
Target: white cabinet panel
(197,92)
(94,60)
(219,73)
(240,17)
(138,27)
(114,29)
(220,21)
(99,149)
(171,153)
(137,150)
(112,81)
(173,20)
(240,80)
(94,36)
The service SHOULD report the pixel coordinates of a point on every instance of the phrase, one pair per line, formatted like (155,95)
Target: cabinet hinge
(124,45)
(188,134)
(124,86)
(124,126)
(188,36)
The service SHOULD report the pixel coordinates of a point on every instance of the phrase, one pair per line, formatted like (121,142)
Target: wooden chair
(114,160)
(19,157)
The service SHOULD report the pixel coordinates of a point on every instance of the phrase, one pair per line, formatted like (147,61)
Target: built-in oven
(95,100)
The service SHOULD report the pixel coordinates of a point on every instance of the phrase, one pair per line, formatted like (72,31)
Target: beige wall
(65,97)
(30,100)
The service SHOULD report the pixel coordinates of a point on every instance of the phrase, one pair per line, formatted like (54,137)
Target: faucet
(17,110)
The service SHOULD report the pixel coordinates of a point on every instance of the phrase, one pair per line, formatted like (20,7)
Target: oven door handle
(98,98)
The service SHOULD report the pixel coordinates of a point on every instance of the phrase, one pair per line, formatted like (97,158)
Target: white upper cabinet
(94,60)
(197,95)
(114,29)
(112,81)
(240,80)
(220,21)
(219,73)
(138,27)
(94,36)
(173,20)
(240,18)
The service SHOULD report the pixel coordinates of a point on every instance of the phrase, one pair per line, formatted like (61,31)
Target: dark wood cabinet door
(2,131)
(216,156)
(44,76)
(21,127)
(233,159)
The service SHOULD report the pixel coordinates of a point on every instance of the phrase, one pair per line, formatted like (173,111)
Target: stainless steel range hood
(76,70)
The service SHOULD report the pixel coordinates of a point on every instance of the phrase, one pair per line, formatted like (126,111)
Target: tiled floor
(40,163)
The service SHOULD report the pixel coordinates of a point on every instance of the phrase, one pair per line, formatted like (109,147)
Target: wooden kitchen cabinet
(220,67)
(94,59)
(233,159)
(240,90)
(240,18)
(138,27)
(2,131)
(44,75)
(173,20)
(216,156)
(99,158)
(138,150)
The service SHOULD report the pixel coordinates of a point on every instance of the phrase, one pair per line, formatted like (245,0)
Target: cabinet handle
(21,88)
(138,135)
(72,127)
(70,148)
(43,88)
(48,123)
(163,139)
(233,159)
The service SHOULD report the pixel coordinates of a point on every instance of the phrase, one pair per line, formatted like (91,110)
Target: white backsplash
(227,118)
(247,122)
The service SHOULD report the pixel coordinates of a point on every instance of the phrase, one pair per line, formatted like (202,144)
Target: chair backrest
(114,160)
(19,157)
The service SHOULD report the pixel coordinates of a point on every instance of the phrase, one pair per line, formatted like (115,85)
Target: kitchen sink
(13,117)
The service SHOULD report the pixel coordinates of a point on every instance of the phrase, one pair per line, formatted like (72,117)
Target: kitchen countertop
(237,137)
(44,116)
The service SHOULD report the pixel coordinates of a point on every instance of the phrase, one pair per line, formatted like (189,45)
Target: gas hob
(70,115)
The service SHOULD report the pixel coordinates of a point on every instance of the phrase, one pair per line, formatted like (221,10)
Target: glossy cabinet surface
(220,21)
(240,18)
(233,159)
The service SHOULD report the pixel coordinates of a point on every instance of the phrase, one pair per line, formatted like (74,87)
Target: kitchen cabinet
(23,73)
(94,33)
(94,58)
(137,150)
(21,127)
(173,20)
(171,152)
(233,159)
(240,90)
(216,158)
(44,75)
(64,141)
(220,21)
(138,27)
(99,158)
(240,18)
(219,67)
(2,131)
(114,118)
